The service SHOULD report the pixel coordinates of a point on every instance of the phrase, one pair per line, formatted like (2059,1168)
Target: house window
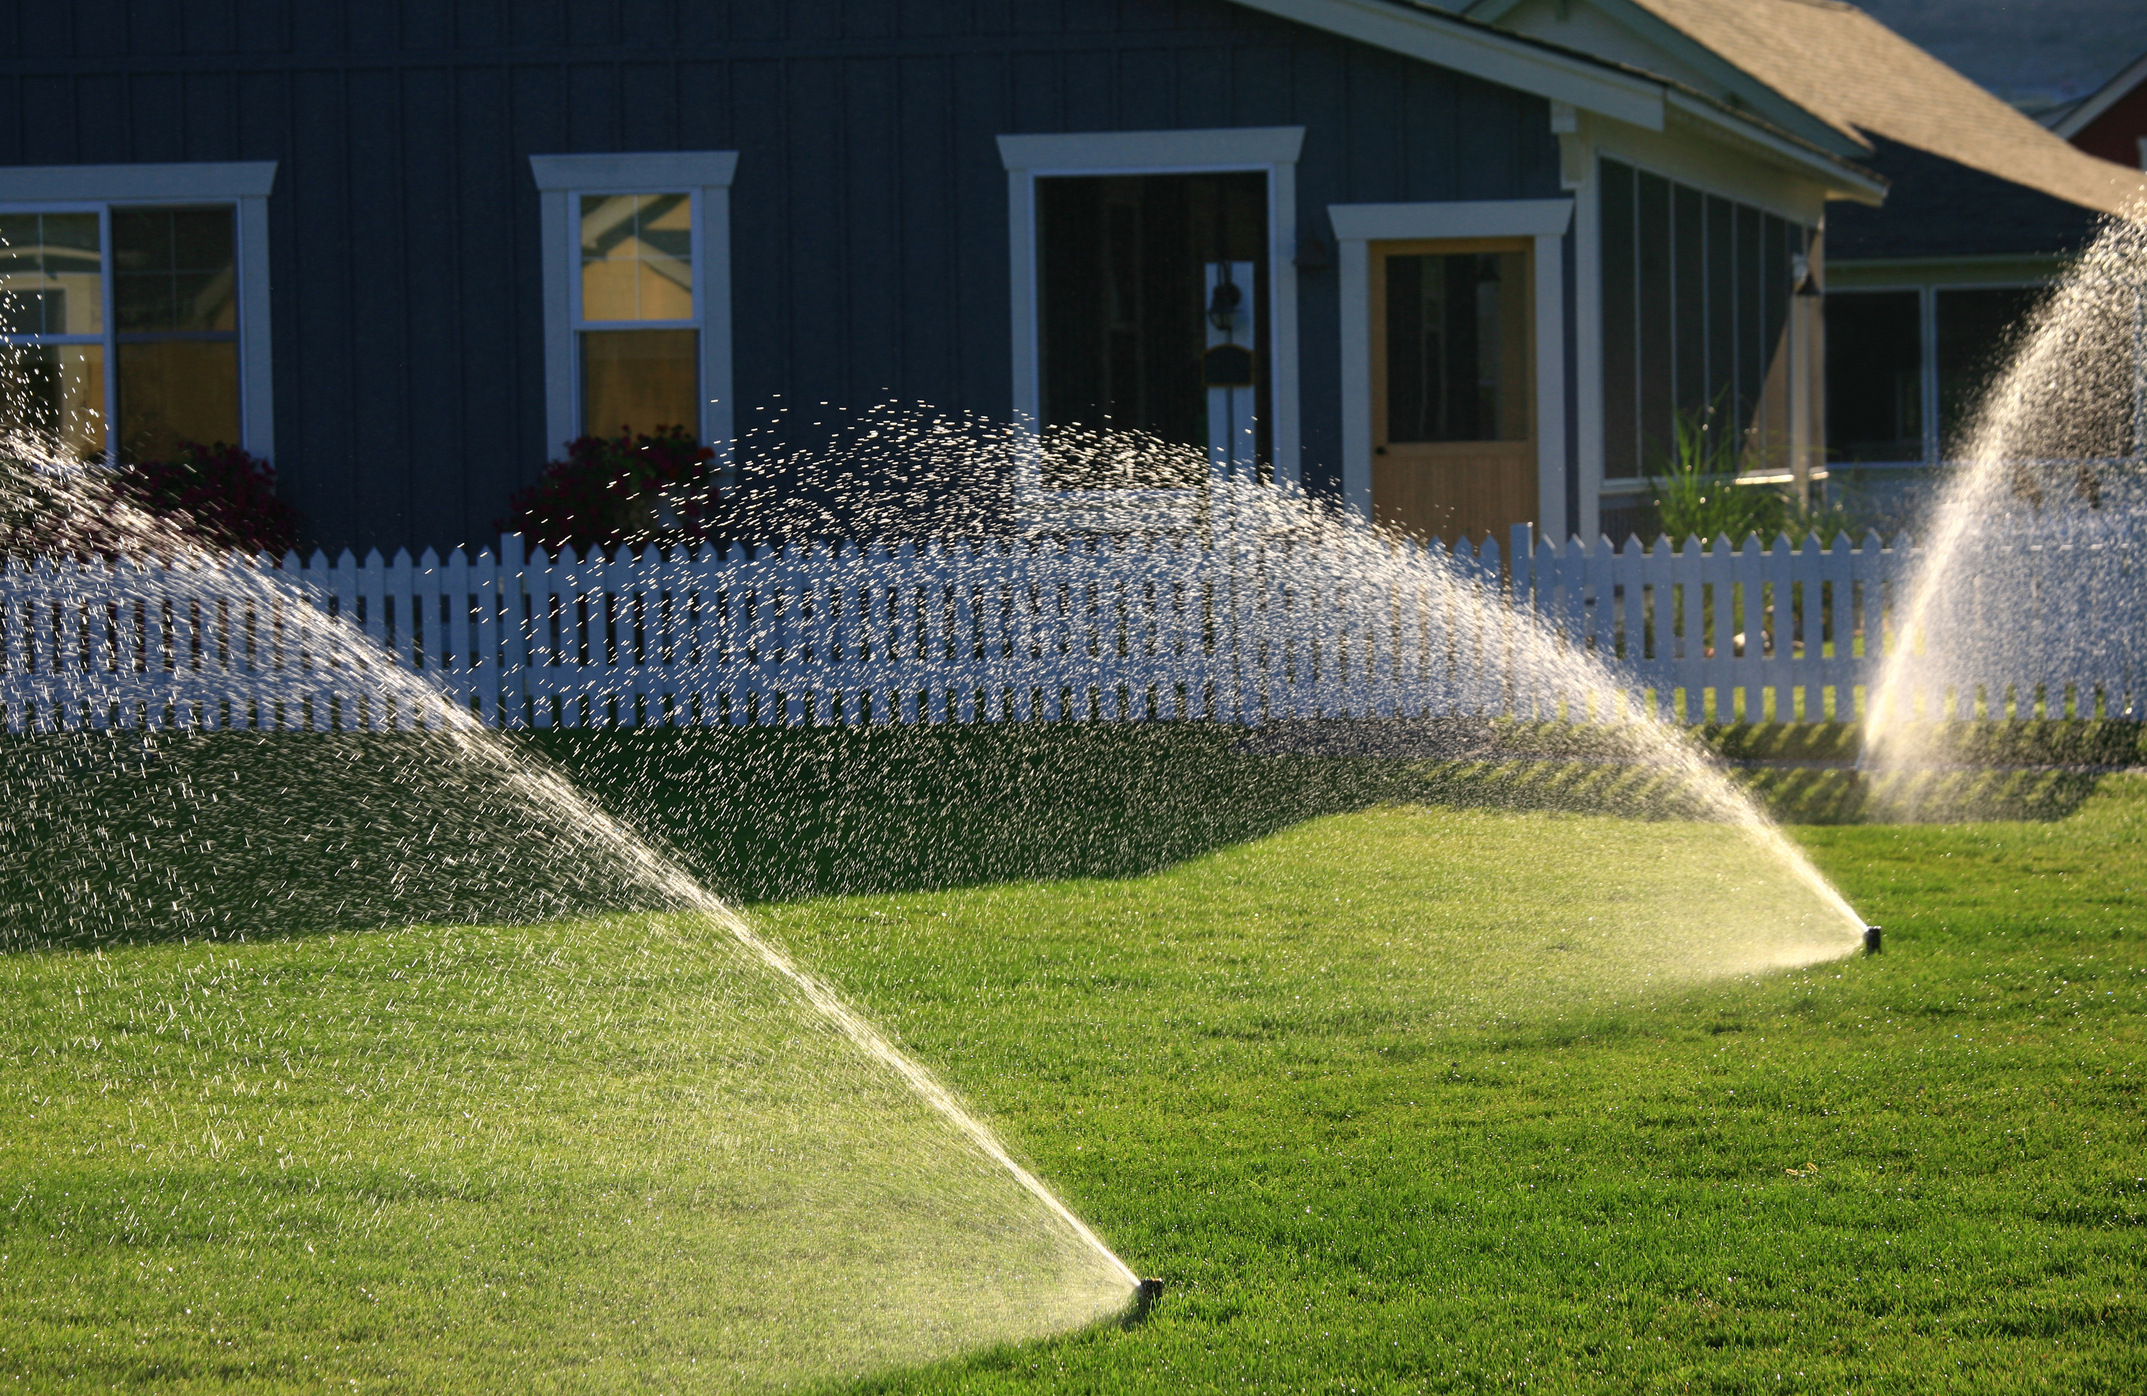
(1907,367)
(1972,332)
(637,293)
(639,338)
(135,317)
(1874,375)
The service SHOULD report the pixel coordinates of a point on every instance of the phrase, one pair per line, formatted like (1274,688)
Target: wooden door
(1453,386)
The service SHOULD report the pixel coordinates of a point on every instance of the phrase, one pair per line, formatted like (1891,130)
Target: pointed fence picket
(1233,626)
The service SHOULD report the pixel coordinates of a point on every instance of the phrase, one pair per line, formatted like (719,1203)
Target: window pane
(51,274)
(1457,347)
(56,392)
(174,269)
(1974,332)
(640,380)
(174,390)
(1874,376)
(637,257)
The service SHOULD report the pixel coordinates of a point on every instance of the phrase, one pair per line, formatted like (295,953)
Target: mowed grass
(1367,1087)
(1360,1164)
(607,1155)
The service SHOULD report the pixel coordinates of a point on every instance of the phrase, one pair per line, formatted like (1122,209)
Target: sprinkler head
(1145,1296)
(1872,936)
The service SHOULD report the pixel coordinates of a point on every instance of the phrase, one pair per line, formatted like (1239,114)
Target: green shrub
(1697,494)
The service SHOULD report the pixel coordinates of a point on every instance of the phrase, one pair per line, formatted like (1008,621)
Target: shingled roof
(1861,78)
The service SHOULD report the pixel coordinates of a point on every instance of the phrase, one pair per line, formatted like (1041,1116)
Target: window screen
(1695,303)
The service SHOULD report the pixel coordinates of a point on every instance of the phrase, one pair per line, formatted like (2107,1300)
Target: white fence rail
(1242,628)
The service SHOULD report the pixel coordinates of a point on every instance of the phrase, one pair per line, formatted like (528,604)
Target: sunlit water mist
(976,477)
(2029,596)
(812,1201)
(398,946)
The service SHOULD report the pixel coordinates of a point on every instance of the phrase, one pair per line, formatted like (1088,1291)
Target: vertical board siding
(868,223)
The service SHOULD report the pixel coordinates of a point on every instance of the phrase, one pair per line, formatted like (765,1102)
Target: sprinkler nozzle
(1872,937)
(1145,1296)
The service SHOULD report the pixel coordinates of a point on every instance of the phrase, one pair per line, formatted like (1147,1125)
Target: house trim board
(1509,60)
(1779,129)
(2102,99)
(246,185)
(1690,158)
(1545,221)
(1659,34)
(1579,160)
(1902,273)
(206,179)
(707,174)
(1271,150)
(1838,177)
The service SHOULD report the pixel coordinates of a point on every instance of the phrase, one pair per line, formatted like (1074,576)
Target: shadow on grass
(779,813)
(249,834)
(244,834)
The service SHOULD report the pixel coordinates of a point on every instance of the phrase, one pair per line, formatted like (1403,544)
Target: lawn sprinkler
(1145,1295)
(1872,937)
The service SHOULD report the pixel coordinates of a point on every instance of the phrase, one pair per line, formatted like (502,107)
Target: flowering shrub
(631,490)
(220,494)
(209,497)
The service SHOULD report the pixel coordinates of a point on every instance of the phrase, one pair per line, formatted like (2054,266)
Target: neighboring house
(2111,121)
(407,252)
(1982,210)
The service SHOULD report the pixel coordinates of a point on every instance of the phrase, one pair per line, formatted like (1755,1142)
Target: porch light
(1223,305)
(1800,275)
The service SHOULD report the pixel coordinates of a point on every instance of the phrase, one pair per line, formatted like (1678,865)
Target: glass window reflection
(636,257)
(51,274)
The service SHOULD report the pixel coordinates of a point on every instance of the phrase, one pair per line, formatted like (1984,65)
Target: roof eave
(1782,111)
(1469,46)
(1841,178)
(2102,99)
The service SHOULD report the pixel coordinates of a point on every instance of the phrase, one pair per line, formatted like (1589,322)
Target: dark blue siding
(868,218)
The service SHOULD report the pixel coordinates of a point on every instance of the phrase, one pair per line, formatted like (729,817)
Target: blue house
(1454,275)
(1985,209)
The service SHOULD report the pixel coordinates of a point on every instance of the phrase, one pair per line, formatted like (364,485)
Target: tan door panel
(1449,488)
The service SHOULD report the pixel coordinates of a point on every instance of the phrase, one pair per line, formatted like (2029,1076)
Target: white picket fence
(1242,627)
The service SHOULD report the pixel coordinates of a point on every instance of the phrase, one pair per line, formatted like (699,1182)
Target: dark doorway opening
(1123,272)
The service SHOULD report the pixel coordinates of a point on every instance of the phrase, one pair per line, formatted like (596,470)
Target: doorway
(1452,375)
(1142,279)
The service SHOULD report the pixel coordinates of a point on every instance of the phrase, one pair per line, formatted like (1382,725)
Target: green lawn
(1333,1047)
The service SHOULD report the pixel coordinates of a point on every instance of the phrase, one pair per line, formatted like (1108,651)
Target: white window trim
(1269,150)
(706,175)
(1356,227)
(245,185)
